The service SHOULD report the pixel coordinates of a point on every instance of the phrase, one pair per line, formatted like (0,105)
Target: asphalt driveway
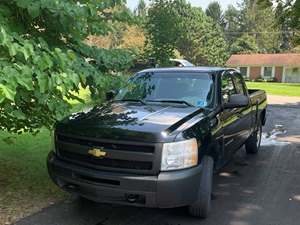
(258,190)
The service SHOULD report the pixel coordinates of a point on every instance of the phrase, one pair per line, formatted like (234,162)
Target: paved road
(258,190)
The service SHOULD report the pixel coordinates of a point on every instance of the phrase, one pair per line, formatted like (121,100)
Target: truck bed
(257,96)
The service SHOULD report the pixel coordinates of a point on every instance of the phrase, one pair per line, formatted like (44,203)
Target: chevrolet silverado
(157,141)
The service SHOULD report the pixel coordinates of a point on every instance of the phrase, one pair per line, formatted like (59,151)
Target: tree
(214,11)
(295,22)
(288,19)
(232,29)
(264,3)
(259,21)
(283,25)
(163,29)
(43,58)
(134,38)
(176,25)
(295,12)
(246,44)
(201,40)
(141,10)
(291,12)
(130,37)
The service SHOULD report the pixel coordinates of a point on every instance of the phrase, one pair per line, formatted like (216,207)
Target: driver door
(230,118)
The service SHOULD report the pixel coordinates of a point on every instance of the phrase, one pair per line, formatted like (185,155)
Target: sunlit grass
(285,89)
(25,186)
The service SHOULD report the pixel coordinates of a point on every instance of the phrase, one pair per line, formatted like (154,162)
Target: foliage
(245,44)
(289,18)
(43,57)
(131,37)
(282,20)
(141,11)
(232,28)
(255,18)
(163,29)
(296,49)
(264,3)
(202,41)
(259,21)
(214,11)
(134,38)
(176,25)
(295,14)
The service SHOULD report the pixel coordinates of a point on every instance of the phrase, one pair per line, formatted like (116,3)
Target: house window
(244,71)
(267,72)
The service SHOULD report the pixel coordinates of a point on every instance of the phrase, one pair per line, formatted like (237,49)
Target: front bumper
(165,190)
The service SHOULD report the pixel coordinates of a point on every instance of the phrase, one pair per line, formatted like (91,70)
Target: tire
(252,145)
(201,207)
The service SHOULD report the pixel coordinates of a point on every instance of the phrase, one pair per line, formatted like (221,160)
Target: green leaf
(23,3)
(43,59)
(27,51)
(4,38)
(13,49)
(82,78)
(71,55)
(26,82)
(2,97)
(47,62)
(43,82)
(34,9)
(19,114)
(52,104)
(9,76)
(75,97)
(8,93)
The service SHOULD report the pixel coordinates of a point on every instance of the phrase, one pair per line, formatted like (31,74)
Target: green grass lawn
(25,186)
(284,89)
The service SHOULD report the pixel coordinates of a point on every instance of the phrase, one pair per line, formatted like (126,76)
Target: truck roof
(185,69)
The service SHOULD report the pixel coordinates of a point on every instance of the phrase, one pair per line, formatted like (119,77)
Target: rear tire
(201,207)
(252,145)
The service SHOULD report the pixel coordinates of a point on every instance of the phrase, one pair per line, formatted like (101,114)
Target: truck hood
(130,121)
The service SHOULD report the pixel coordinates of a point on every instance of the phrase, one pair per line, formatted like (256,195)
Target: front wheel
(202,206)
(253,143)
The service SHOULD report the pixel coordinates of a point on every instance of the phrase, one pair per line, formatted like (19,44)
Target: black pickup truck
(158,141)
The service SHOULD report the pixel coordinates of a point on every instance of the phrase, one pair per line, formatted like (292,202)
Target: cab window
(239,84)
(227,88)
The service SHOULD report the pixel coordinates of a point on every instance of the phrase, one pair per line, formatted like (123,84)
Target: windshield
(194,89)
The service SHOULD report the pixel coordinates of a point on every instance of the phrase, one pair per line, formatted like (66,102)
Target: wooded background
(49,50)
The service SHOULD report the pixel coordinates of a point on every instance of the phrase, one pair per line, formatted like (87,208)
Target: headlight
(179,155)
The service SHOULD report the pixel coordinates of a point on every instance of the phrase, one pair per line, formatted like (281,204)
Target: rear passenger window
(228,88)
(239,84)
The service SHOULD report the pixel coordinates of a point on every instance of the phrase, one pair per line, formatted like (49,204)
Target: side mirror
(110,95)
(237,101)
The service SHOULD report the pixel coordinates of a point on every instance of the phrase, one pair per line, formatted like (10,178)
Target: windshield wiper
(172,101)
(131,100)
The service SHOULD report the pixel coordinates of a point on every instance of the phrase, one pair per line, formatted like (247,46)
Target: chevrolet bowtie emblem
(97,152)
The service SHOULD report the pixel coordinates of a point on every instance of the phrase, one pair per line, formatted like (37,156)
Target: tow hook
(131,198)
